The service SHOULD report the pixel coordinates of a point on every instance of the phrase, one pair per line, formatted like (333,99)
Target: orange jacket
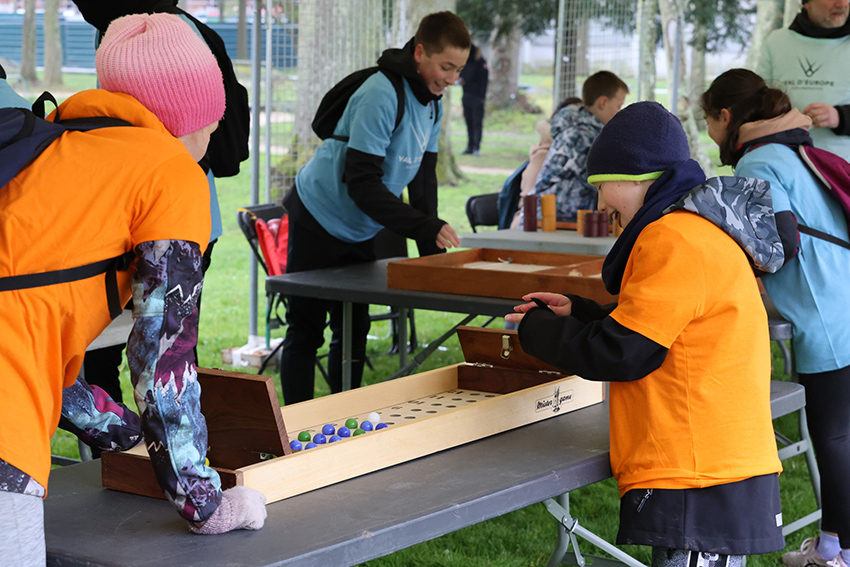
(703,417)
(89,196)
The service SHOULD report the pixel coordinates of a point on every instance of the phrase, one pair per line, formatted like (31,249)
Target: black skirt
(739,518)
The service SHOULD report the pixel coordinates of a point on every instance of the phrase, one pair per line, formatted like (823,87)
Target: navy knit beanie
(638,143)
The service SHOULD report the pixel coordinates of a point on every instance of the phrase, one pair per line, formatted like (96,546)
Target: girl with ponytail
(758,131)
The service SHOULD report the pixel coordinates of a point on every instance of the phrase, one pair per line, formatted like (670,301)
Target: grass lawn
(523,538)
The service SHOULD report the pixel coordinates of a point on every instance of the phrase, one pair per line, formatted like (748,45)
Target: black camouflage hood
(401,61)
(743,208)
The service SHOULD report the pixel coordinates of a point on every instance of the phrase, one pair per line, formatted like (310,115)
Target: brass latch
(506,346)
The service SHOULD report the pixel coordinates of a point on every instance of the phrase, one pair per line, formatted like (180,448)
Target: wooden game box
(432,411)
(501,273)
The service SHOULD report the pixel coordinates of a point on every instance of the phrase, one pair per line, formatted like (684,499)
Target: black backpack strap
(109,266)
(113,298)
(397,83)
(823,236)
(76,124)
(38,106)
(92,123)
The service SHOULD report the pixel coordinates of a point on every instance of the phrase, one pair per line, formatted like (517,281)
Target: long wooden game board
(510,274)
(426,413)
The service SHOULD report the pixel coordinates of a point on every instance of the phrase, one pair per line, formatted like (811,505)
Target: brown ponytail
(748,99)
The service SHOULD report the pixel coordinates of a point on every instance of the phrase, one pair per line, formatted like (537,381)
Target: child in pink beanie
(161,62)
(112,193)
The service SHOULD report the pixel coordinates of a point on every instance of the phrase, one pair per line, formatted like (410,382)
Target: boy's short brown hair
(603,83)
(440,30)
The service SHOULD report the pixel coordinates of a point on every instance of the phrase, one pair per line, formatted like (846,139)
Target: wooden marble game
(425,413)
(501,273)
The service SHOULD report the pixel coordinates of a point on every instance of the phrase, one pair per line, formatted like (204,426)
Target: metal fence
(588,41)
(78,42)
(330,39)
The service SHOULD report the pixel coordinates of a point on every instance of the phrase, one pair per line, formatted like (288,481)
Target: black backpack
(228,145)
(335,100)
(23,137)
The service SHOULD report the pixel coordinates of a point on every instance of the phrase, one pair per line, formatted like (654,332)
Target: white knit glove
(241,508)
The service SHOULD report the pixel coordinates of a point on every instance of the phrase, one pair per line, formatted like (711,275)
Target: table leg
(346,345)
(402,337)
(569,529)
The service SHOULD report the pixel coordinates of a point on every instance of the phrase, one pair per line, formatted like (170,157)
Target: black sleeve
(363,175)
(843,128)
(422,192)
(602,351)
(586,310)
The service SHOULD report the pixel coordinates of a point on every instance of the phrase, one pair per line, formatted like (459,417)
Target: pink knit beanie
(159,60)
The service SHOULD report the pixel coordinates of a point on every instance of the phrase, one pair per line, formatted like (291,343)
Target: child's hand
(447,237)
(559,304)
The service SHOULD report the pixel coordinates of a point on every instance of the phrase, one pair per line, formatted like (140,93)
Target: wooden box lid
(500,348)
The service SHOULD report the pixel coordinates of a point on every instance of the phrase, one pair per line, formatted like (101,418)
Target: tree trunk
(448,170)
(671,11)
(792,8)
(697,82)
(503,88)
(52,44)
(28,44)
(221,7)
(769,15)
(242,31)
(647,13)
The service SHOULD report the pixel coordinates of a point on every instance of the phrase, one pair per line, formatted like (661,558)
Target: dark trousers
(310,248)
(828,418)
(473,113)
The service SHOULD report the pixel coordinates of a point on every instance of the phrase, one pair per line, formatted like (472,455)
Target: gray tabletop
(353,521)
(344,524)
(367,283)
(562,241)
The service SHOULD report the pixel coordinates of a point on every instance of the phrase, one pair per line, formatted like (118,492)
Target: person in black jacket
(351,188)
(473,79)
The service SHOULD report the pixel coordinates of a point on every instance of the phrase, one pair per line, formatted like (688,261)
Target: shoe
(476,153)
(467,152)
(808,556)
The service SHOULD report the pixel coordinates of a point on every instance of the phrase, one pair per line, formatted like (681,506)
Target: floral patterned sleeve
(166,286)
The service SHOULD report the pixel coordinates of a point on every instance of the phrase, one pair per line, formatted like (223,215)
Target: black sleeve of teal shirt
(603,350)
(422,192)
(587,310)
(364,177)
(843,128)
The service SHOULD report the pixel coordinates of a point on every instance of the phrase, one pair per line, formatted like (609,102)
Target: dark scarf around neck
(804,26)
(666,190)
(794,137)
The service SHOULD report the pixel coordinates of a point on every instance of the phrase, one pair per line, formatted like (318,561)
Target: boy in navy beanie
(656,141)
(689,327)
